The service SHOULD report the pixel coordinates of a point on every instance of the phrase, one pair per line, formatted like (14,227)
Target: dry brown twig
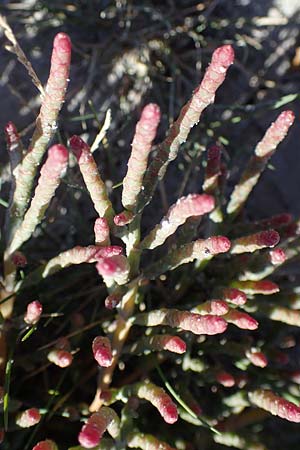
(16,49)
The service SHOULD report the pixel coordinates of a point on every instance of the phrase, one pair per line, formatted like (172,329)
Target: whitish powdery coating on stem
(197,324)
(48,182)
(185,207)
(141,145)
(263,152)
(79,255)
(92,178)
(146,442)
(101,230)
(189,116)
(276,405)
(46,121)
(283,314)
(215,307)
(264,287)
(202,249)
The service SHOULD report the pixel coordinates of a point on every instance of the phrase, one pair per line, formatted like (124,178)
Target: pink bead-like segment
(101,230)
(28,418)
(277,256)
(45,445)
(268,238)
(223,57)
(89,436)
(123,218)
(258,359)
(197,324)
(174,344)
(11,134)
(218,244)
(241,320)
(235,296)
(61,358)
(275,134)
(33,312)
(165,406)
(19,259)
(112,301)
(225,379)
(218,307)
(145,133)
(102,351)
(275,404)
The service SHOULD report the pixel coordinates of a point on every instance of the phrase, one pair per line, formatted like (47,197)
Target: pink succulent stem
(257,358)
(141,146)
(114,269)
(263,151)
(33,313)
(46,121)
(123,218)
(264,287)
(159,342)
(263,265)
(277,256)
(146,442)
(79,255)
(101,230)
(92,178)
(235,296)
(241,320)
(45,445)
(214,307)
(225,379)
(275,404)
(253,242)
(91,433)
(277,221)
(195,323)
(190,206)
(61,358)
(159,399)
(48,182)
(202,250)
(189,116)
(102,351)
(28,418)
